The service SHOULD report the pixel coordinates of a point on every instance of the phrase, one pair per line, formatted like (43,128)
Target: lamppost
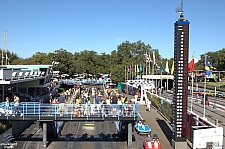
(214,105)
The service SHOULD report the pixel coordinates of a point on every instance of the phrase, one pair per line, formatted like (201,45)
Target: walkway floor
(157,123)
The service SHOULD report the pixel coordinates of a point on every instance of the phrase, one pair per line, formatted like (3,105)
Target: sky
(101,25)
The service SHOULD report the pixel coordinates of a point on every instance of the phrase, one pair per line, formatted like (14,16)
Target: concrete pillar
(44,135)
(17,87)
(129,137)
(35,91)
(3,90)
(196,120)
(216,122)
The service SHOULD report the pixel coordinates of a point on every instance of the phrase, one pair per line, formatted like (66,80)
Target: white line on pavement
(140,116)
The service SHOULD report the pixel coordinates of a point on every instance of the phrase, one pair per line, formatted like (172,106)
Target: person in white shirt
(148,105)
(135,99)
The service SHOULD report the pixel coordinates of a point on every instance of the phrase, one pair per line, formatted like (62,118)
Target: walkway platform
(32,111)
(158,124)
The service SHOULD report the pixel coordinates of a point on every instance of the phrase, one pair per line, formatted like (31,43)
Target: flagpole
(167,84)
(125,73)
(153,53)
(131,72)
(161,85)
(204,93)
(149,63)
(192,85)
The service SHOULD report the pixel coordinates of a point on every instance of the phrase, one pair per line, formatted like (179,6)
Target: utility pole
(5,51)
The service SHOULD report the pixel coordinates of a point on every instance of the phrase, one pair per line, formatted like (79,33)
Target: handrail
(39,110)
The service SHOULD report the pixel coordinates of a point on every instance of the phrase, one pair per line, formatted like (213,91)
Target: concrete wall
(19,126)
(51,129)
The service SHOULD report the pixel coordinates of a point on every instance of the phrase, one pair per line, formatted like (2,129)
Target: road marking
(140,116)
(89,124)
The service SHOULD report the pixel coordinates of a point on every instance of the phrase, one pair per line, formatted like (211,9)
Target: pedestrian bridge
(83,82)
(35,111)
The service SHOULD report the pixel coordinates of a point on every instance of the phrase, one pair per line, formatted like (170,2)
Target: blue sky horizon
(102,25)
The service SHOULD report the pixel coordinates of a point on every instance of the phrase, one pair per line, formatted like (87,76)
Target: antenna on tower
(179,9)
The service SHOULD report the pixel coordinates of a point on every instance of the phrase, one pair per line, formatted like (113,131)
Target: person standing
(16,106)
(149,105)
(61,101)
(135,99)
(7,106)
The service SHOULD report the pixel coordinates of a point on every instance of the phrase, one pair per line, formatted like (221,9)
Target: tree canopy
(115,63)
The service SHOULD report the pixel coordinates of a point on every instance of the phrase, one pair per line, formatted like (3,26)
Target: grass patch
(216,83)
(209,87)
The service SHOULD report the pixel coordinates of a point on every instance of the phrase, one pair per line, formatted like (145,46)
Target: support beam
(129,137)
(44,135)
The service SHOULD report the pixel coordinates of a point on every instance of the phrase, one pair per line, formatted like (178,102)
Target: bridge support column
(129,137)
(17,86)
(3,94)
(44,135)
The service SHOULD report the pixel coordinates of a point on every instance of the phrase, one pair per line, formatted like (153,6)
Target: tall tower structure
(180,94)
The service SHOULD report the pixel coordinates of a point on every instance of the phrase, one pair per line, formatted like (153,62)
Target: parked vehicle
(218,94)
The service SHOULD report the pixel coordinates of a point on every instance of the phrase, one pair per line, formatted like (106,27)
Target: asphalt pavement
(158,124)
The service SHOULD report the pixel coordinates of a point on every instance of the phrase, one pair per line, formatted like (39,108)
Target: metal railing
(85,82)
(39,110)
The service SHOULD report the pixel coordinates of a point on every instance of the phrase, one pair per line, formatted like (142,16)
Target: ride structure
(180,93)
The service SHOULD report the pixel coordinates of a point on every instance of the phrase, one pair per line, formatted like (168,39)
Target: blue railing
(38,110)
(84,81)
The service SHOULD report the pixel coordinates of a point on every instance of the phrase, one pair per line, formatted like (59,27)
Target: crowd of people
(92,102)
(82,102)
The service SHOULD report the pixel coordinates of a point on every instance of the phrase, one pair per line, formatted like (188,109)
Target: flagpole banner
(172,69)
(167,67)
(162,68)
(191,66)
(207,69)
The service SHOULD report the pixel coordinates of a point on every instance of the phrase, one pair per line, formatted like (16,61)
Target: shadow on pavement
(166,130)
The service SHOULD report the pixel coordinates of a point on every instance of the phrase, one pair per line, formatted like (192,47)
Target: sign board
(209,136)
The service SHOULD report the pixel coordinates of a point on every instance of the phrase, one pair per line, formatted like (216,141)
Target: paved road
(157,123)
(210,113)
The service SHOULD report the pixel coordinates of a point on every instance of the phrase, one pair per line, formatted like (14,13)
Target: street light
(214,106)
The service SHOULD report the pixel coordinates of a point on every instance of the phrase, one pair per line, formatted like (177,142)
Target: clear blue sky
(101,25)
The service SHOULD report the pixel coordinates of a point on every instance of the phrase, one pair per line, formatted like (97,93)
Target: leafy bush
(4,126)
